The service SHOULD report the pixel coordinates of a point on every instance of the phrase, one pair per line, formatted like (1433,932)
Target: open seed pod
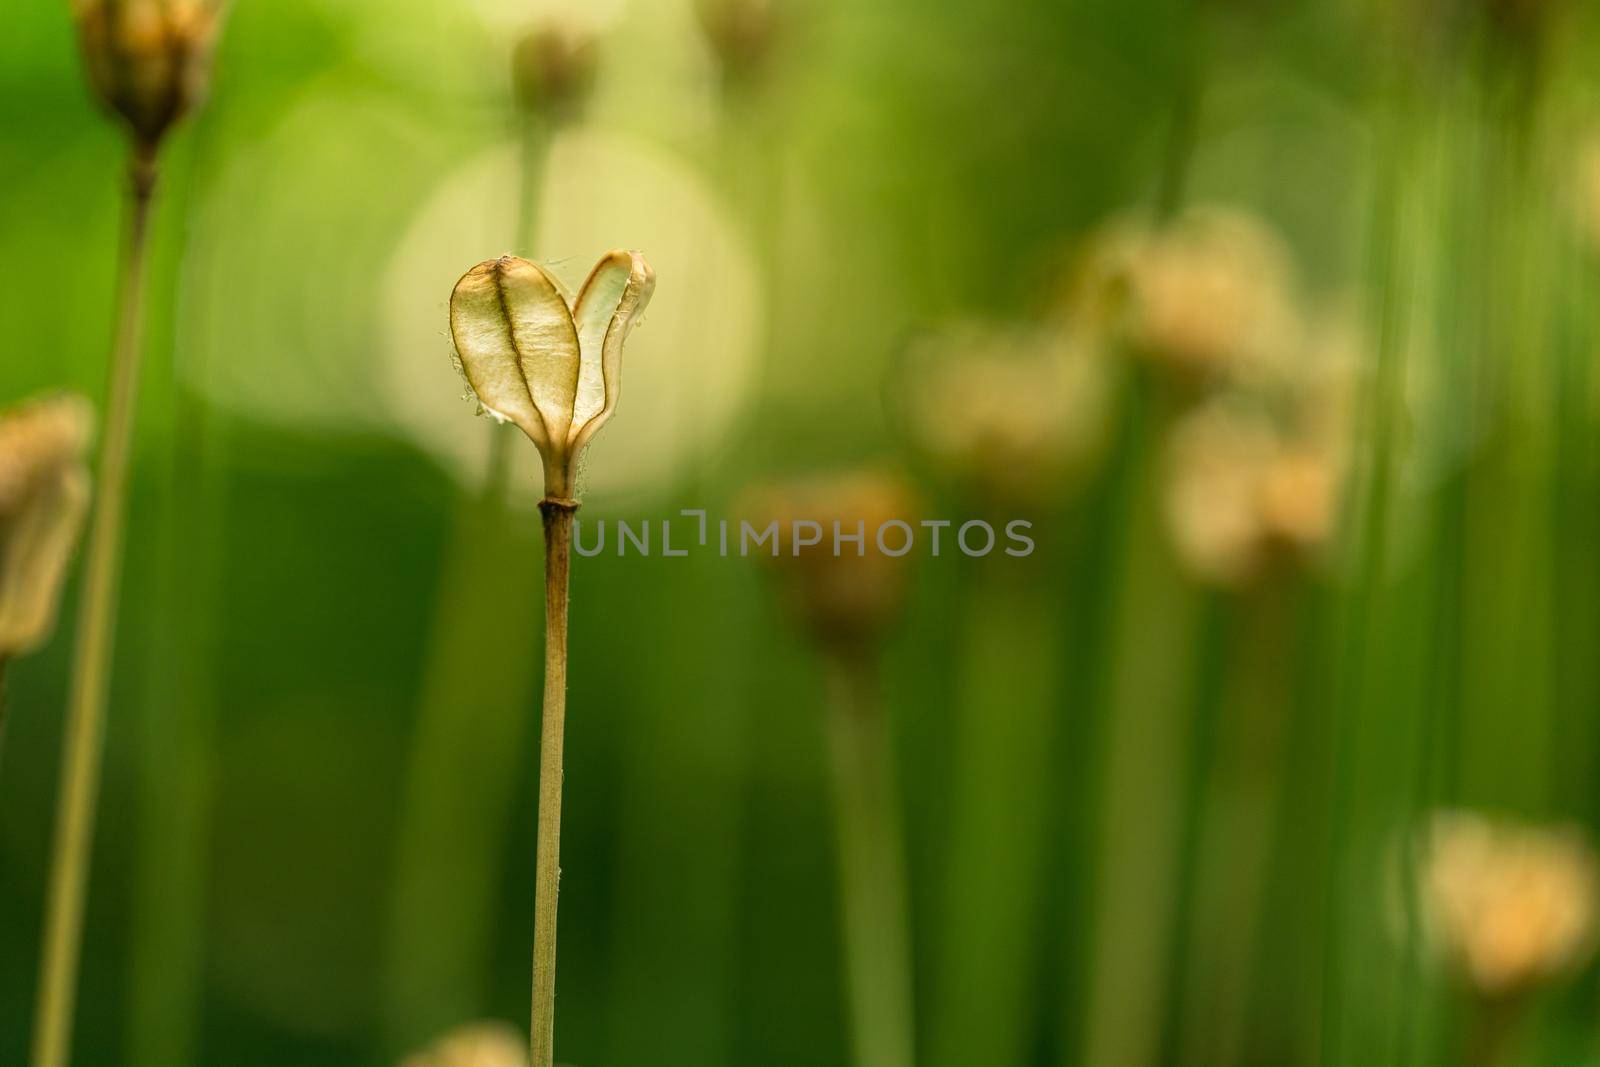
(149,60)
(544,360)
(44,492)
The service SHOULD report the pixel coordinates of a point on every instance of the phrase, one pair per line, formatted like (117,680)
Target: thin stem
(995,876)
(1205,711)
(1183,132)
(1494,1026)
(439,937)
(462,767)
(557,568)
(92,654)
(91,675)
(534,154)
(871,867)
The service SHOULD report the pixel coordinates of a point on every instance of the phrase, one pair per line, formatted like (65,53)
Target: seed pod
(844,596)
(742,34)
(549,363)
(553,69)
(148,60)
(44,492)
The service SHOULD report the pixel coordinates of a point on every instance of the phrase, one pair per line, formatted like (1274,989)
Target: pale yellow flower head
(1243,496)
(545,360)
(149,60)
(1509,905)
(44,492)
(474,1045)
(1013,415)
(1209,293)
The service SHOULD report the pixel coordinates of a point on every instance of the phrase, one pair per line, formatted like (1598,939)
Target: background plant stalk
(872,878)
(91,663)
(462,770)
(547,877)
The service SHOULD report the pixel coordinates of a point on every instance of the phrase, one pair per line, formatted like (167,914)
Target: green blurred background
(1149,819)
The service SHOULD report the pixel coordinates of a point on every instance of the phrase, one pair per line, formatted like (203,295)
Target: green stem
(460,779)
(994,878)
(1183,131)
(872,879)
(557,568)
(1100,579)
(1359,640)
(461,771)
(1493,1028)
(535,152)
(91,668)
(1205,712)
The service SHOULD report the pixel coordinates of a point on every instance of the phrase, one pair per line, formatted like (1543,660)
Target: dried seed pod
(553,70)
(44,492)
(845,595)
(1509,905)
(548,362)
(474,1045)
(149,60)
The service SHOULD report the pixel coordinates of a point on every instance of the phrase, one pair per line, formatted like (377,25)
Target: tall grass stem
(871,867)
(460,773)
(994,877)
(91,665)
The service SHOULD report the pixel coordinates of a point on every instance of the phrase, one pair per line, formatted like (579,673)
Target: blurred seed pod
(148,60)
(551,363)
(474,1045)
(1209,294)
(1243,498)
(553,71)
(44,493)
(743,35)
(1508,905)
(844,600)
(1014,416)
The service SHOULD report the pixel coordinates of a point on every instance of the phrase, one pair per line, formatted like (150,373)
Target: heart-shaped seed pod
(546,361)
